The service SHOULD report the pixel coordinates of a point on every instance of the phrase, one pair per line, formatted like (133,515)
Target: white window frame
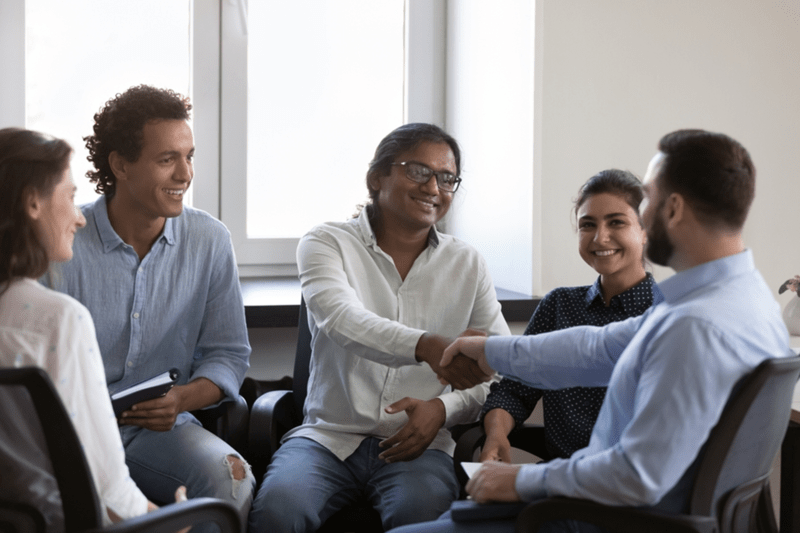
(219,98)
(424,92)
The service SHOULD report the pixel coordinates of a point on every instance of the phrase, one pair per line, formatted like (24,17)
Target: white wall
(619,74)
(610,79)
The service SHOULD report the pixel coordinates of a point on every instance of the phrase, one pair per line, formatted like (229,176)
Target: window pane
(325,84)
(80,53)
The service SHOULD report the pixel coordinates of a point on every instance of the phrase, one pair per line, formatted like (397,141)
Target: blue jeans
(161,461)
(306,484)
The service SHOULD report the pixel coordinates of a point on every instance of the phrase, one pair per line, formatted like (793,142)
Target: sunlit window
(80,53)
(325,84)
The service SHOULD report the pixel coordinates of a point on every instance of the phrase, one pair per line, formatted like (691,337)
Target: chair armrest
(171,518)
(615,519)
(229,421)
(272,415)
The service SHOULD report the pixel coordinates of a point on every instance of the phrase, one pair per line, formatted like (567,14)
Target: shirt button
(130,364)
(135,315)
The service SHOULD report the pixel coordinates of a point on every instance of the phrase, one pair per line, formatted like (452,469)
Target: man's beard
(659,248)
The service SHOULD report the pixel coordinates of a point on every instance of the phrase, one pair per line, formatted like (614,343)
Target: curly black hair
(119,127)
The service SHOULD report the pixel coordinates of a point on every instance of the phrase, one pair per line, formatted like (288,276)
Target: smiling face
(610,238)
(55,218)
(411,206)
(154,185)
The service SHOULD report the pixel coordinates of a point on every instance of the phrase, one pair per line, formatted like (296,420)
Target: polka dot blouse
(570,414)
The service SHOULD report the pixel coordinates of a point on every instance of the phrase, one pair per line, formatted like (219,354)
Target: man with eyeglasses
(386,293)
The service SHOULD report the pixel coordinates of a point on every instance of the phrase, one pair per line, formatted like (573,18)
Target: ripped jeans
(160,462)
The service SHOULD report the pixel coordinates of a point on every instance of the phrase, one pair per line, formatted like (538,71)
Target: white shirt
(40,327)
(365,324)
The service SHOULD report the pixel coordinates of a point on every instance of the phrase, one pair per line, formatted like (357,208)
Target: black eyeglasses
(419,173)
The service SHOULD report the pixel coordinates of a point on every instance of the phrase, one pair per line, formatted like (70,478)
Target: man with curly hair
(161,283)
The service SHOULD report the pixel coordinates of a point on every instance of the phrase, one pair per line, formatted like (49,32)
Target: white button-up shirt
(365,324)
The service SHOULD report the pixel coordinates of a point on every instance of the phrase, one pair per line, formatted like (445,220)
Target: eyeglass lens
(421,174)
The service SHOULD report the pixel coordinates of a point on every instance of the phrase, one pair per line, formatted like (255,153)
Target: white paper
(157,380)
(471,468)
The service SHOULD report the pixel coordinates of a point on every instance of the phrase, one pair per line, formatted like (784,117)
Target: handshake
(461,364)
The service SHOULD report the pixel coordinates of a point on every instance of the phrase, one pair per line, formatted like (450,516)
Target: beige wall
(618,74)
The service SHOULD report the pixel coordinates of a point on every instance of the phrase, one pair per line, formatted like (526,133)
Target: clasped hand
(459,371)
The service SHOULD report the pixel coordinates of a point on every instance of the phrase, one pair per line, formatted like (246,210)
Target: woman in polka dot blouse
(611,240)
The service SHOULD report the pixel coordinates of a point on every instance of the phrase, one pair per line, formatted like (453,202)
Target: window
(323,82)
(78,55)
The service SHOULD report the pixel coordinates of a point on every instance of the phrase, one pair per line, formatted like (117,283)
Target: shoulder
(455,246)
(198,233)
(47,308)
(336,234)
(199,220)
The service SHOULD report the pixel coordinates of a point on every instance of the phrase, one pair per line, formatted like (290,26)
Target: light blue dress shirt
(669,374)
(181,306)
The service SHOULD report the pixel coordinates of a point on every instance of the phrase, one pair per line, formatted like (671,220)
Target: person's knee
(237,467)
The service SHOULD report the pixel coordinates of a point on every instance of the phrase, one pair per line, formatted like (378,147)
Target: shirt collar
(594,292)
(629,300)
(109,237)
(712,272)
(368,235)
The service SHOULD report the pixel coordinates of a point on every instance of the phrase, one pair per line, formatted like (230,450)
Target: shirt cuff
(498,350)
(530,482)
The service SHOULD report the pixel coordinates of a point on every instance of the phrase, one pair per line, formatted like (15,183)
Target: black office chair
(229,421)
(730,492)
(29,392)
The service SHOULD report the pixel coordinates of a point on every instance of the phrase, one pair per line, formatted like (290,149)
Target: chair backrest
(741,447)
(30,392)
(302,361)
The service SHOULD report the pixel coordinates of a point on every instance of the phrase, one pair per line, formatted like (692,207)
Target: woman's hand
(496,448)
(497,424)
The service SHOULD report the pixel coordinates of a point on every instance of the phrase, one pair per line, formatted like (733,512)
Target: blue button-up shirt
(180,306)
(669,374)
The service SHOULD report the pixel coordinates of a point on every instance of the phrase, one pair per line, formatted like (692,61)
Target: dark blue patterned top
(569,414)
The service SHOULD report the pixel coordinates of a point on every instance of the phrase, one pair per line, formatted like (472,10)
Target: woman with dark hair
(611,240)
(386,292)
(41,327)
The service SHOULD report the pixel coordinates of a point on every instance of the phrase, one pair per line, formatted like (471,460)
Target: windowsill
(275,302)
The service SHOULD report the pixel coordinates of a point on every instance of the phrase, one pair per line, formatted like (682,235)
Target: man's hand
(463,373)
(473,348)
(425,419)
(159,414)
(494,482)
